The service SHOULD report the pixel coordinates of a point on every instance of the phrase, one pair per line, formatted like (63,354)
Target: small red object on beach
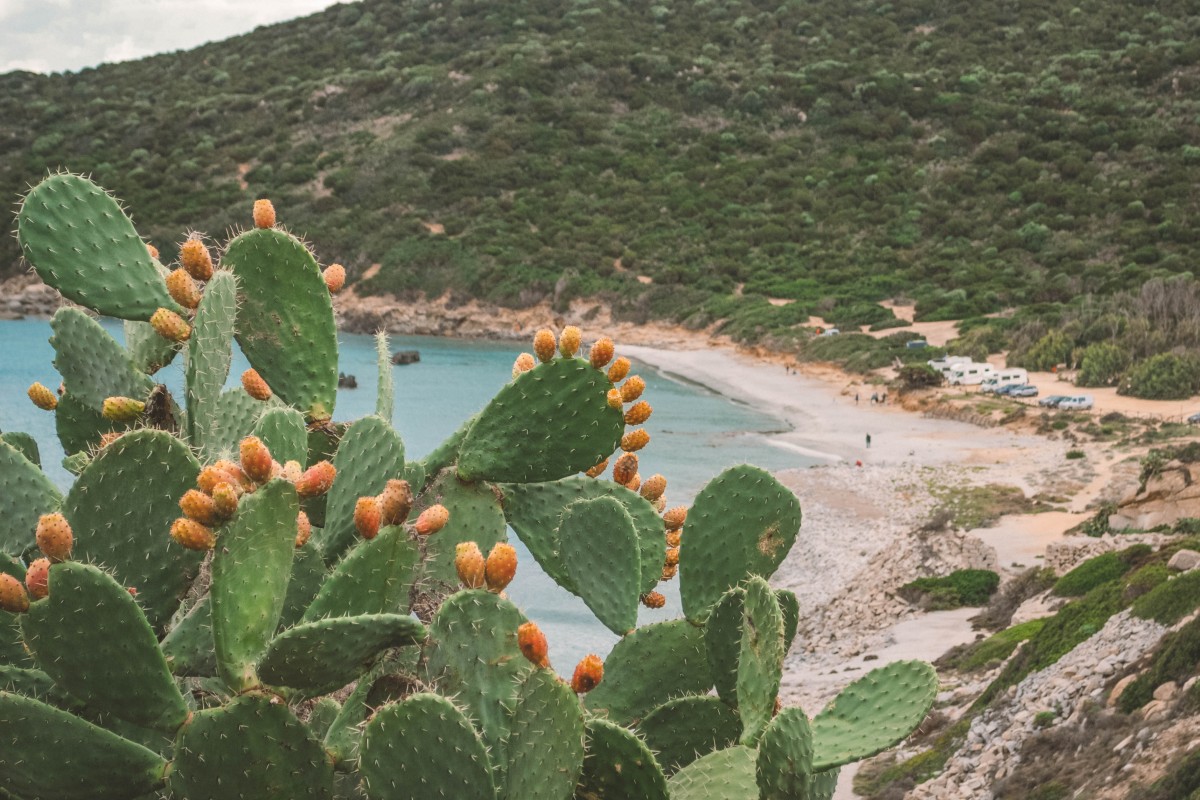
(858,463)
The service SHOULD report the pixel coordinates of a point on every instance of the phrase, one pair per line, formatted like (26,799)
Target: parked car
(1194,419)
(1024,390)
(916,344)
(1081,402)
(1002,378)
(830,332)
(1052,401)
(1006,389)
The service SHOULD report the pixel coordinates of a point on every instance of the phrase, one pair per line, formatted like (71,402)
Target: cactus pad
(723,636)
(475,516)
(686,728)
(722,775)
(148,351)
(81,242)
(308,575)
(618,765)
(92,364)
(234,417)
(25,494)
(422,749)
(25,444)
(188,648)
(760,664)
(599,547)
(79,426)
(385,398)
(785,757)
(520,436)
(209,356)
(370,454)
(545,748)
(282,431)
(742,523)
(375,577)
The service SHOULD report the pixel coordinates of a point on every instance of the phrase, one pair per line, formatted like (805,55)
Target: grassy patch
(873,781)
(1175,660)
(990,651)
(1170,601)
(1090,574)
(973,507)
(963,587)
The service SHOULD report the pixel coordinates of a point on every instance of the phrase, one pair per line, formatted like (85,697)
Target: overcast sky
(59,35)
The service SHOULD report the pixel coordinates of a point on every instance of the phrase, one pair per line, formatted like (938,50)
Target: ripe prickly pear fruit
(598,470)
(654,600)
(470,565)
(588,674)
(618,370)
(194,257)
(674,538)
(152,250)
(544,345)
(533,644)
(303,529)
(501,566)
(669,571)
(42,397)
(601,353)
(225,500)
(222,471)
(631,390)
(291,472)
(183,289)
(674,519)
(614,399)
(54,537)
(432,520)
(672,557)
(653,487)
(335,277)
(568,342)
(122,409)
(170,325)
(316,480)
(201,507)
(264,214)
(524,363)
(635,440)
(192,534)
(660,504)
(639,413)
(633,483)
(37,578)
(255,386)
(396,502)
(13,597)
(625,468)
(367,517)
(256,459)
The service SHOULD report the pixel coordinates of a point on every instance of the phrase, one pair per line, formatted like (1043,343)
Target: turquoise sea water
(695,432)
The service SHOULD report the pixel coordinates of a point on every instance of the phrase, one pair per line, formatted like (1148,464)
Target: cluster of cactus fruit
(230,600)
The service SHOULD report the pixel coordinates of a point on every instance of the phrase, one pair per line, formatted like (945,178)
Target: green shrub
(1044,719)
(1171,600)
(1074,455)
(1090,574)
(1144,580)
(1180,783)
(1101,365)
(964,587)
(1175,660)
(1166,376)
(992,650)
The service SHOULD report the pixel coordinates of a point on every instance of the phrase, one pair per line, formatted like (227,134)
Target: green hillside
(971,156)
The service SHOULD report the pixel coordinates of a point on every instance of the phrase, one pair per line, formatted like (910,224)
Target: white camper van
(969,374)
(1005,377)
(946,364)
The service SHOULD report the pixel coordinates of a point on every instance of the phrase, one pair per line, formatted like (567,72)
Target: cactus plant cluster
(231,599)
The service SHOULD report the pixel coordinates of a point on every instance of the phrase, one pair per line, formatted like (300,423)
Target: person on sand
(868,441)
(856,398)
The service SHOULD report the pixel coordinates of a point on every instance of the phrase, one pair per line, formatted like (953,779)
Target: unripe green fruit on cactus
(225,500)
(54,537)
(122,409)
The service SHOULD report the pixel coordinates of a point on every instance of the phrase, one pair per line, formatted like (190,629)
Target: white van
(969,374)
(946,364)
(1005,377)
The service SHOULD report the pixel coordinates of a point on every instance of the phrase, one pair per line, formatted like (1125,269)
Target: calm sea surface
(695,433)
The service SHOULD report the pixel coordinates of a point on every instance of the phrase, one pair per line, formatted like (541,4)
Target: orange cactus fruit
(524,363)
(195,258)
(367,517)
(639,413)
(672,557)
(152,250)
(13,597)
(225,500)
(470,565)
(618,370)
(588,674)
(544,345)
(291,471)
(122,409)
(633,483)
(264,214)
(201,507)
(222,471)
(37,578)
(533,644)
(192,534)
(601,353)
(660,504)
(598,470)
(183,289)
(669,571)
(674,519)
(614,399)
(42,397)
(569,341)
(631,390)
(256,459)
(255,386)
(303,529)
(625,468)
(674,538)
(54,537)
(316,480)
(335,278)
(635,440)
(654,600)
(396,502)
(653,487)
(170,325)
(501,566)
(432,520)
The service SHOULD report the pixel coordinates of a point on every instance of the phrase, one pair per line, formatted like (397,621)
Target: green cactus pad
(345,732)
(534,510)
(121,509)
(370,454)
(473,654)
(375,577)
(285,322)
(785,757)
(323,441)
(548,423)
(323,656)
(722,775)
(282,431)
(92,364)
(25,444)
(686,728)
(647,668)
(599,546)
(254,747)
(742,523)
(25,494)
(250,570)
(877,711)
(81,242)
(12,650)
(545,749)
(475,516)
(188,647)
(760,664)
(308,576)
(445,453)
(723,636)
(234,417)
(45,752)
(209,356)
(322,716)
(28,682)
(90,636)
(618,766)
(385,397)
(79,426)
(148,351)
(422,749)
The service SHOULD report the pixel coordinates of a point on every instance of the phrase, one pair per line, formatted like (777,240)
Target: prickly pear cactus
(244,598)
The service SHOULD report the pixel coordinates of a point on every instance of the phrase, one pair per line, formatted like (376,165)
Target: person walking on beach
(856,398)
(868,441)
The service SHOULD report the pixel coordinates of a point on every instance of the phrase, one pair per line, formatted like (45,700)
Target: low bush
(1171,600)
(990,651)
(1090,574)
(964,587)
(1175,660)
